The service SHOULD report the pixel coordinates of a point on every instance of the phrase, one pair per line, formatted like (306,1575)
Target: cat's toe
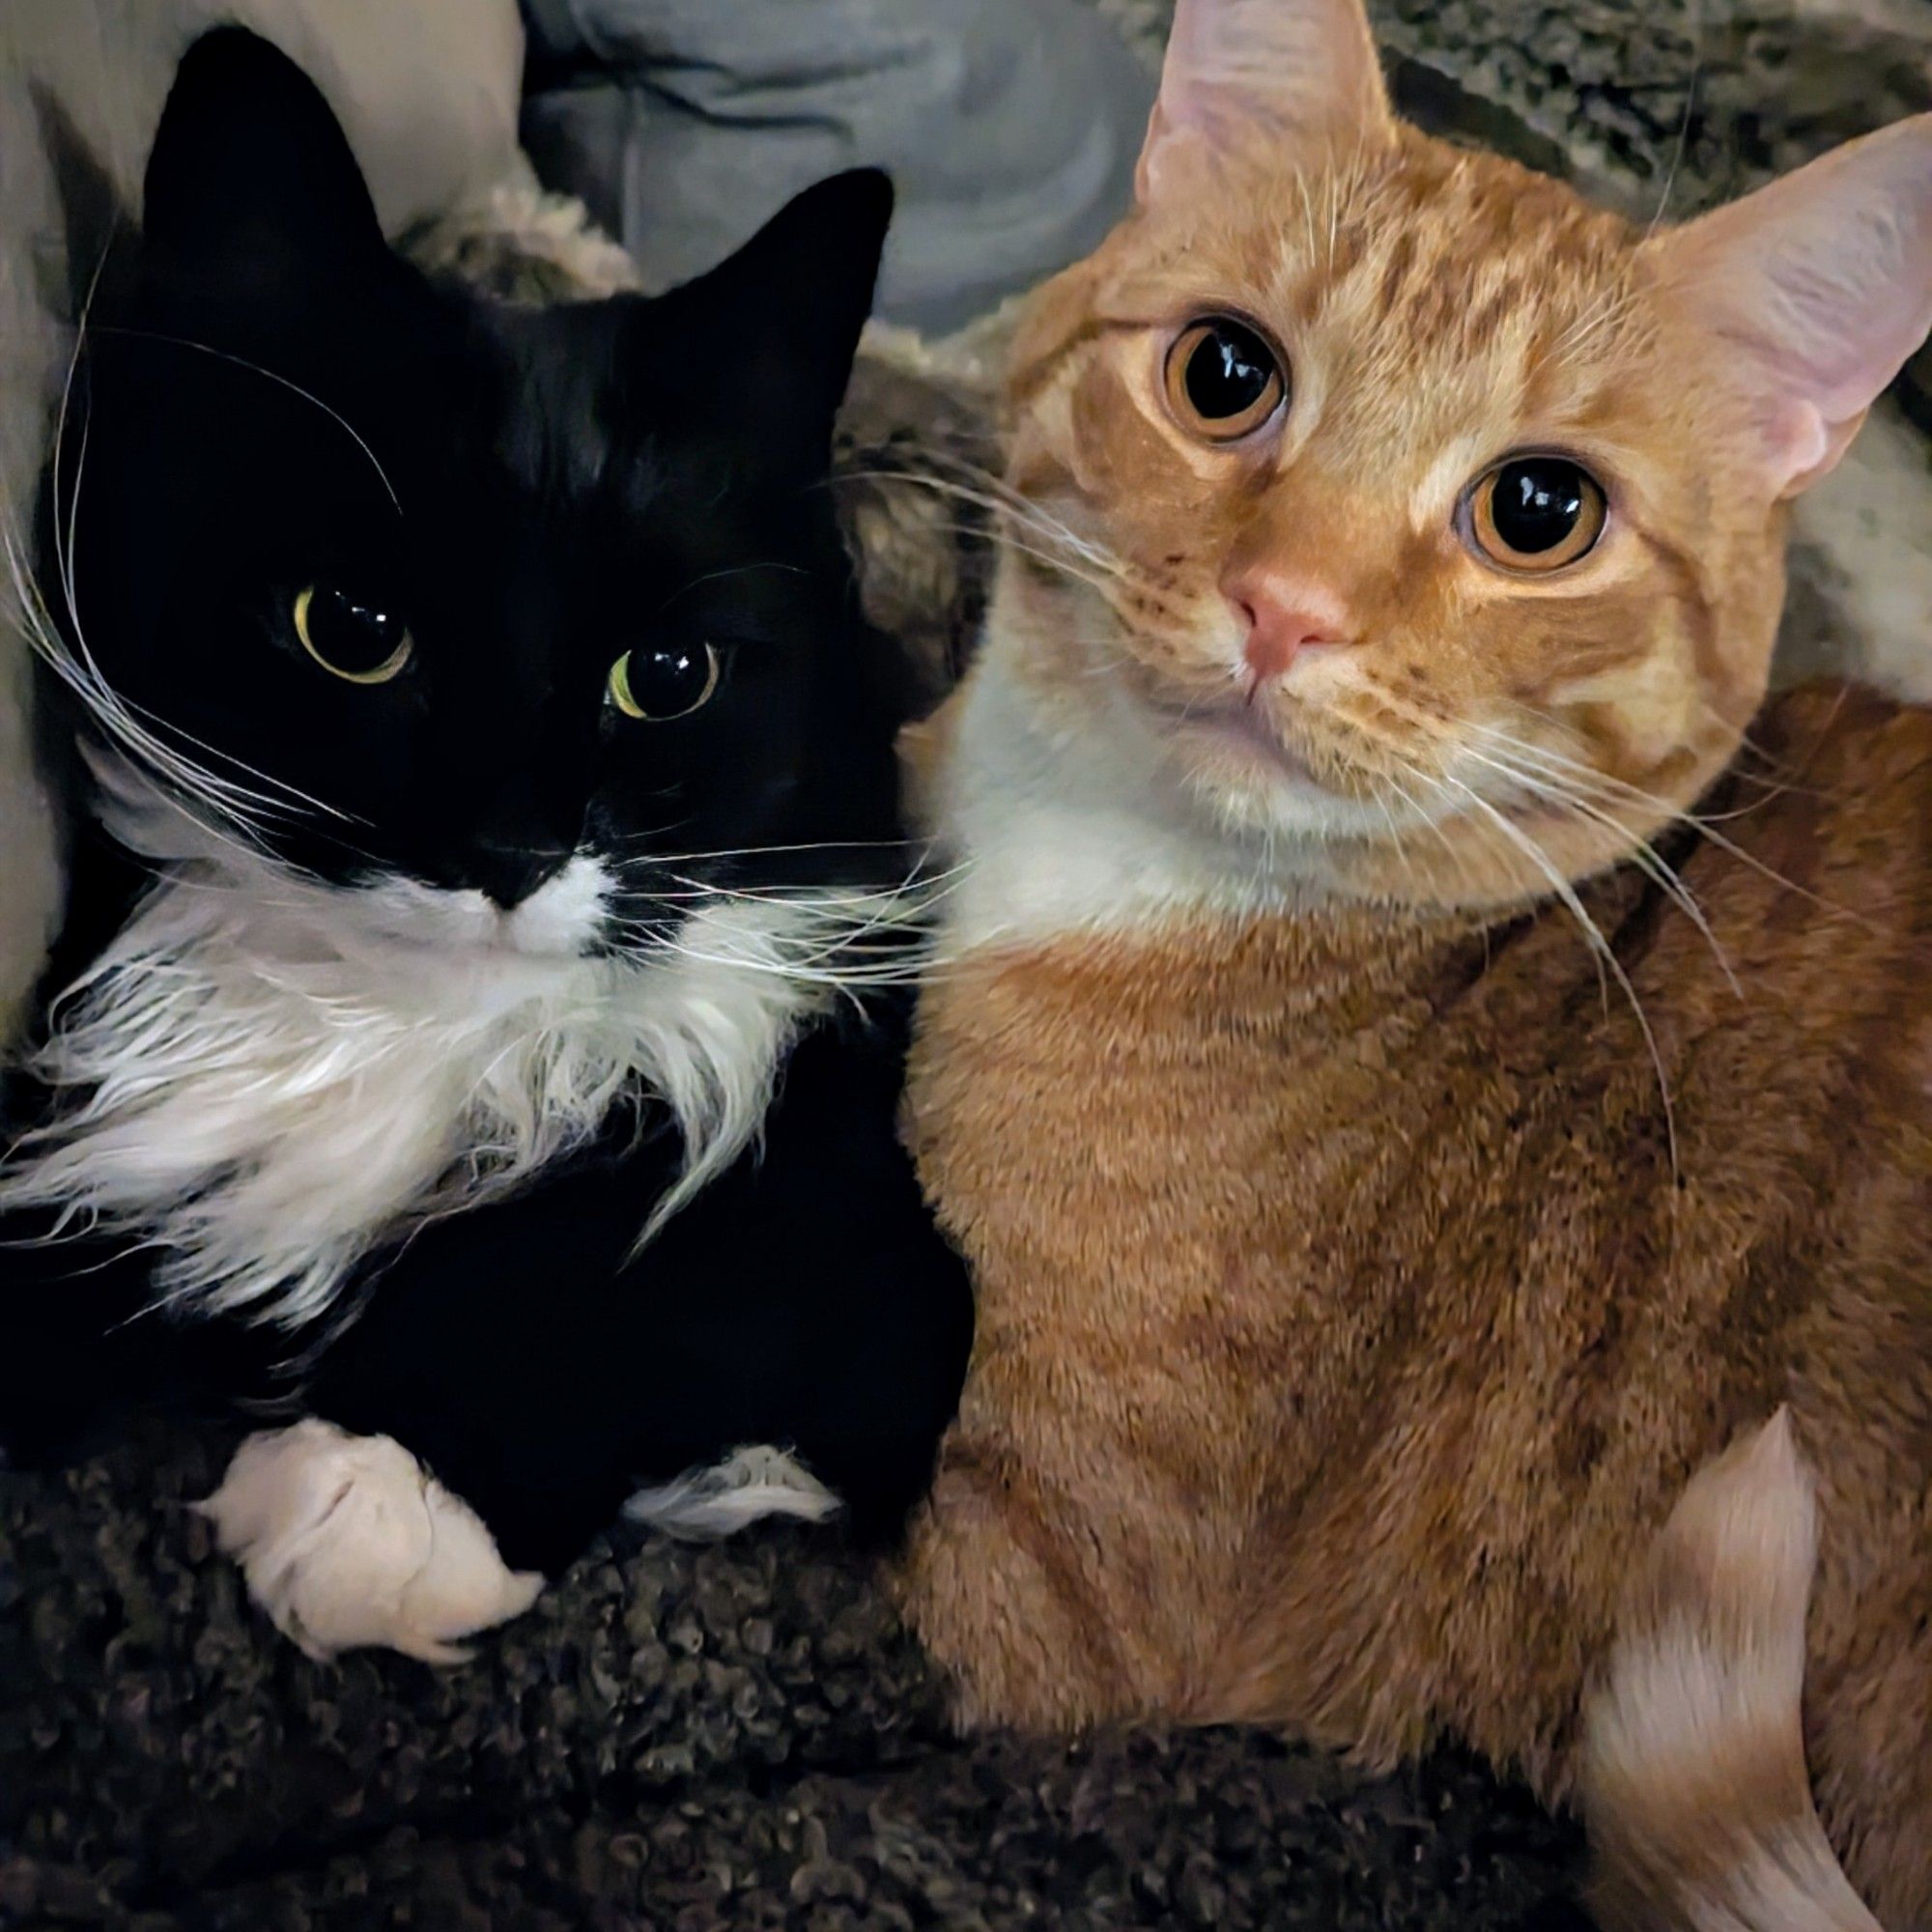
(347,1541)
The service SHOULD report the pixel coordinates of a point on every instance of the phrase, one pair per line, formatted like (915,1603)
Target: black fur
(286,403)
(283,403)
(804,1300)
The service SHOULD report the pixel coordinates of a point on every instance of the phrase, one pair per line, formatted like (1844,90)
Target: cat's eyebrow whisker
(341,421)
(1596,322)
(733,569)
(1307,213)
(1683,126)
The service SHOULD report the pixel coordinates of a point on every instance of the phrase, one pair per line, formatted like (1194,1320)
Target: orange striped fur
(1370,1259)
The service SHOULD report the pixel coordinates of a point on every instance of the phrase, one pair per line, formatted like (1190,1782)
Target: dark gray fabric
(1009,127)
(723,1740)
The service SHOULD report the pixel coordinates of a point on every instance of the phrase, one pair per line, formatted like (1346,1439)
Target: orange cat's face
(1423,515)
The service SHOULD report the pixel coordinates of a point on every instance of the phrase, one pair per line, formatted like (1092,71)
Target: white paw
(347,1541)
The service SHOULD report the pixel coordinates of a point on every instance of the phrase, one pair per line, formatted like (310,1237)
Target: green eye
(361,643)
(660,685)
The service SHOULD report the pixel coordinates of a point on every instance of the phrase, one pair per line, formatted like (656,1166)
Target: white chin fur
(347,1542)
(265,1077)
(1085,824)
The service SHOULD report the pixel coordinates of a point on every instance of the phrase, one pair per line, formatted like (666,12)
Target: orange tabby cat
(1442,1122)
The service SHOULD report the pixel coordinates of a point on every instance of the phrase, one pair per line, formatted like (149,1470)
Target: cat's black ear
(251,185)
(767,339)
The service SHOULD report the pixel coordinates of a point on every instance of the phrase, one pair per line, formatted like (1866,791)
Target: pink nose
(1282,619)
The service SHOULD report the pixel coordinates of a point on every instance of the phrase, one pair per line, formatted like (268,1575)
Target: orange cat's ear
(1816,289)
(1296,69)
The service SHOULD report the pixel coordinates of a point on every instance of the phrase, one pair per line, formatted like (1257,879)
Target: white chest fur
(265,1077)
(1081,826)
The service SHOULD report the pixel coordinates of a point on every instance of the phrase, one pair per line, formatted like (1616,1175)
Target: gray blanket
(684,124)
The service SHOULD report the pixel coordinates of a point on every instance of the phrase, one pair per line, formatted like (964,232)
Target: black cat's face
(542,607)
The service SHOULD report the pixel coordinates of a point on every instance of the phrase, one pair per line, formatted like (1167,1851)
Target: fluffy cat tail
(1693,1778)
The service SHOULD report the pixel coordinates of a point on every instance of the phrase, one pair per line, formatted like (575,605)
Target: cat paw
(347,1541)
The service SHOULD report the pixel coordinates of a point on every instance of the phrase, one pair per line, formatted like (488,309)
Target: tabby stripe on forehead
(1395,276)
(1697,603)
(1488,318)
(1026,385)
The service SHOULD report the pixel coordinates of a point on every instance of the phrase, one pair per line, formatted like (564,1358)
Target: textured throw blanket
(739,1737)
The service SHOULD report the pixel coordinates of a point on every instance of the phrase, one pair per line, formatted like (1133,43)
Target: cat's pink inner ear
(1292,71)
(1818,289)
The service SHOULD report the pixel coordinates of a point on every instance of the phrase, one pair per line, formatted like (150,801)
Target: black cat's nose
(509,874)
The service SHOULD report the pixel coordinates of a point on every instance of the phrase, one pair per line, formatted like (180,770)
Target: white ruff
(267,1077)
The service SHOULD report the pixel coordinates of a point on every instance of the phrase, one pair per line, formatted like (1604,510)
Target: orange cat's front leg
(1039,1625)
(991,1594)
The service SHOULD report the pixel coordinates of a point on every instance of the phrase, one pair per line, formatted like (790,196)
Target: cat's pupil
(1229,372)
(351,637)
(668,682)
(1537,503)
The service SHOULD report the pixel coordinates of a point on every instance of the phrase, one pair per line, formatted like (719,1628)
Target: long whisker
(335,416)
(1002,540)
(1683,126)
(1616,790)
(225,802)
(1514,762)
(1648,859)
(1605,953)
(1380,787)
(764,851)
(1456,854)
(1022,506)
(1000,500)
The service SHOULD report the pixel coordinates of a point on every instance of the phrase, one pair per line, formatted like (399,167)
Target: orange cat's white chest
(1081,828)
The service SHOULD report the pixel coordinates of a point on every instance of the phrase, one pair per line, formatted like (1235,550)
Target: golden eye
(662,684)
(1536,514)
(1223,381)
(361,643)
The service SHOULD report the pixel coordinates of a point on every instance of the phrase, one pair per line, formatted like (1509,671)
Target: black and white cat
(490,794)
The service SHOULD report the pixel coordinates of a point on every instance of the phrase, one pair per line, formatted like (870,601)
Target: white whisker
(1606,953)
